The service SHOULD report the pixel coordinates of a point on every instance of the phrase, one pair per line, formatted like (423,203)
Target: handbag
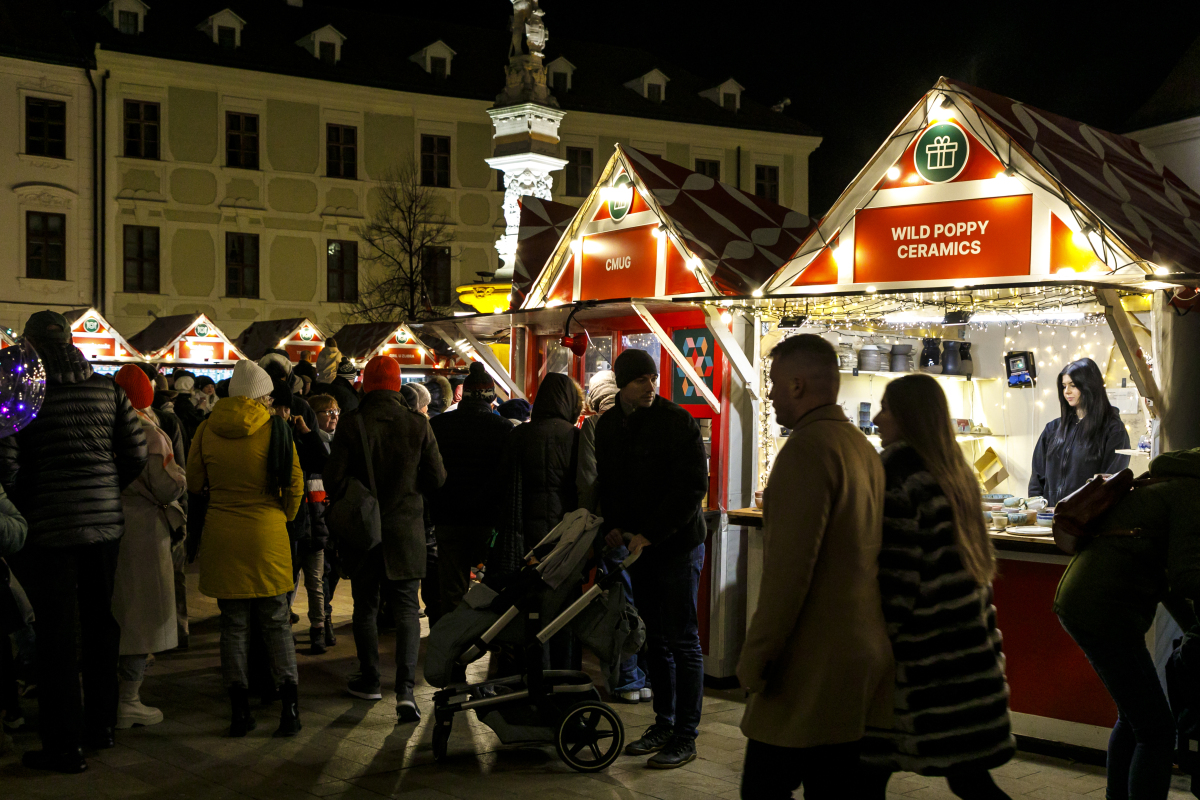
(1077,516)
(354,517)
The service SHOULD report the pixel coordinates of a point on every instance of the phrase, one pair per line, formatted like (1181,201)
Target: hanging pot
(901,358)
(931,358)
(966,365)
(951,360)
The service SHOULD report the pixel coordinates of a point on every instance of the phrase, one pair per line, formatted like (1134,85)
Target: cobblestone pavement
(353,750)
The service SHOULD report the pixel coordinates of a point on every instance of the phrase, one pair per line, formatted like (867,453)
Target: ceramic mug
(999,520)
(1014,502)
(1035,503)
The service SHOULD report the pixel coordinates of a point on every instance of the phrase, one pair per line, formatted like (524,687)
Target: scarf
(279,457)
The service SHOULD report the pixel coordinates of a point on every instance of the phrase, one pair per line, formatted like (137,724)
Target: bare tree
(404,228)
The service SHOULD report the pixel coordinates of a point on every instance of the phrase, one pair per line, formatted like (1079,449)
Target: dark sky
(852,70)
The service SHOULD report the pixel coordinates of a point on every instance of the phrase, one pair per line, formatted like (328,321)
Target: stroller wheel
(590,736)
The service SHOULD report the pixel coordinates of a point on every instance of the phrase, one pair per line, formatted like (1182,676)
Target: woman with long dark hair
(1083,441)
(935,570)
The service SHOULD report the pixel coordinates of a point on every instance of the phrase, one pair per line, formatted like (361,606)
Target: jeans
(367,587)
(311,564)
(666,589)
(772,772)
(61,581)
(632,677)
(131,668)
(1141,748)
(274,621)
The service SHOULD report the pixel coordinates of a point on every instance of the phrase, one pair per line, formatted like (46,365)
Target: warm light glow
(943,112)
(1065,271)
(553,303)
(893,173)
(757,293)
(1161,271)
(871,289)
(694,264)
(914,178)
(282,342)
(843,254)
(726,318)
(576,246)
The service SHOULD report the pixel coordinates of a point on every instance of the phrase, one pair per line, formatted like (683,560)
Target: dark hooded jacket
(1060,468)
(66,469)
(544,454)
(471,440)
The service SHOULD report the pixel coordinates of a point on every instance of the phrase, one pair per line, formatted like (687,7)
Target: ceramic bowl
(1018,517)
(1045,519)
(999,520)
(996,498)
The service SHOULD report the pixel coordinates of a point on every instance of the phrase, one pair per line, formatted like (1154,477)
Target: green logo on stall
(620,197)
(941,152)
(91,325)
(202,329)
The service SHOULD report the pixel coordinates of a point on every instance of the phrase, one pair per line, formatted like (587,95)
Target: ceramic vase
(930,357)
(966,364)
(951,360)
(900,357)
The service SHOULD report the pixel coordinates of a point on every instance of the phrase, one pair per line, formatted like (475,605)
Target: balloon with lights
(22,387)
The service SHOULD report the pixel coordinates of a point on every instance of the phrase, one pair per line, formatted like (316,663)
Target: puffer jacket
(66,469)
(544,453)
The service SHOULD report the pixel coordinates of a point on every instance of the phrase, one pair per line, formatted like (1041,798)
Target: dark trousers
(666,588)
(332,578)
(460,547)
(63,582)
(1141,748)
(368,587)
(771,772)
(969,784)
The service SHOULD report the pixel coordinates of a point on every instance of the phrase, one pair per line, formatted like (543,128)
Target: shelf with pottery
(961,437)
(890,374)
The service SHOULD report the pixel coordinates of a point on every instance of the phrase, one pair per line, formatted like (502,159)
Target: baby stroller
(539,705)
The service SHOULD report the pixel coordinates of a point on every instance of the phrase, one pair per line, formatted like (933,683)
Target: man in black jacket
(65,472)
(652,474)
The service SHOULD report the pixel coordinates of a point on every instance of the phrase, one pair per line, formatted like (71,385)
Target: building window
(241,265)
(437,67)
(141,129)
(327,52)
(579,171)
(227,37)
(435,271)
(559,82)
(766,182)
(141,259)
(45,246)
(127,22)
(709,168)
(654,92)
(341,262)
(241,140)
(341,151)
(499,180)
(729,101)
(435,160)
(45,127)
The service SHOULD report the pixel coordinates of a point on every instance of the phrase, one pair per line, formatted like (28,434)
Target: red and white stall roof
(6,340)
(186,339)
(543,223)
(651,228)
(295,336)
(974,189)
(360,342)
(97,339)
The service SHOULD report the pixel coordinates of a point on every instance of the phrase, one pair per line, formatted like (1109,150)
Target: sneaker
(653,740)
(647,694)
(628,697)
(364,690)
(407,711)
(679,750)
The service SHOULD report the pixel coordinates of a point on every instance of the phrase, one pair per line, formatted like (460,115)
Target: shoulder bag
(354,517)
(1077,516)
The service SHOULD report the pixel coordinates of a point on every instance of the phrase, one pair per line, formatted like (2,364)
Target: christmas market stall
(294,336)
(644,263)
(362,341)
(105,348)
(991,244)
(190,341)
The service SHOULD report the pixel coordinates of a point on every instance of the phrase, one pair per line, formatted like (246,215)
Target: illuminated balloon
(22,387)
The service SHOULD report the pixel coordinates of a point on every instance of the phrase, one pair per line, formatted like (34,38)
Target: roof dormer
(652,86)
(560,72)
(225,29)
(127,16)
(727,95)
(325,44)
(434,59)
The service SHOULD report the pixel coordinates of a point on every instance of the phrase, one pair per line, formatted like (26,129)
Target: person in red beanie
(405,464)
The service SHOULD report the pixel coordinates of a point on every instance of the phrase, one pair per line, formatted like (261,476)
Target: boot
(316,637)
(289,718)
(242,721)
(330,638)
(130,710)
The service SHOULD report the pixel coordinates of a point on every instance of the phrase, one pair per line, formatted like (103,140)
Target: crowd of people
(874,648)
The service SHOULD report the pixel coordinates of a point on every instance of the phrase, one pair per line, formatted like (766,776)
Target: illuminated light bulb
(693,263)
(726,317)
(576,247)
(1040,404)
(657,231)
(871,290)
(1065,271)
(757,293)
(1161,271)
(893,173)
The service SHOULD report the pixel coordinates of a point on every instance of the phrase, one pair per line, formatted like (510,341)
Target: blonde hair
(919,408)
(322,402)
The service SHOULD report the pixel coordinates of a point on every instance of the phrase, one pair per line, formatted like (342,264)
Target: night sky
(852,70)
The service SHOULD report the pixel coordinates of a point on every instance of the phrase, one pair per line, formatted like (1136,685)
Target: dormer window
(324,44)
(652,86)
(728,95)
(561,73)
(436,59)
(127,16)
(225,29)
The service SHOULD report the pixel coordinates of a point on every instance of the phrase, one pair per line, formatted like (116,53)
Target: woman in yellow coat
(245,456)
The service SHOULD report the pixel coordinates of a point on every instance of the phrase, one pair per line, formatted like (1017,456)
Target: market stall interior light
(893,173)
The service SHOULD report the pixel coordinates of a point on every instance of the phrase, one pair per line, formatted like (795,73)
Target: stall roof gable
(165,331)
(76,314)
(265,335)
(543,223)
(361,339)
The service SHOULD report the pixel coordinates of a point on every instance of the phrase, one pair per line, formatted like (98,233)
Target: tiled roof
(264,335)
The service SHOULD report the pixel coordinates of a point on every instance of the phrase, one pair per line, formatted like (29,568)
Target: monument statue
(529,33)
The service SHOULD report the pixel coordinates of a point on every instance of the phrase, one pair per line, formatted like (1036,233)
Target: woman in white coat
(144,592)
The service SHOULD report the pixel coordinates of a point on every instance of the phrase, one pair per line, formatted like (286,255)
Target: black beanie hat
(47,326)
(633,364)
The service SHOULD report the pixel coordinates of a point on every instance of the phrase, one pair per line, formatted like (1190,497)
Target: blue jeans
(632,677)
(665,589)
(368,587)
(1142,745)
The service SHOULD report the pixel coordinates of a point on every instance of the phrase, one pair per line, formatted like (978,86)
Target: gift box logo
(940,153)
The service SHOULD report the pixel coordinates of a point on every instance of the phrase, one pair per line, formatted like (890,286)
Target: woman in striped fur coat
(935,572)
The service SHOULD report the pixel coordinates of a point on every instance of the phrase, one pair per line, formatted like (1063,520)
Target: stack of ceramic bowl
(869,358)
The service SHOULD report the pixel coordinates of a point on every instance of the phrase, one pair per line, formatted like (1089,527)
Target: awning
(296,336)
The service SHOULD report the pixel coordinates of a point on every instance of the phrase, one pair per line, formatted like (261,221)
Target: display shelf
(1132,452)
(889,374)
(962,437)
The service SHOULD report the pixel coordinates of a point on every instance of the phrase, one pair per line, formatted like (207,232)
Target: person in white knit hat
(245,456)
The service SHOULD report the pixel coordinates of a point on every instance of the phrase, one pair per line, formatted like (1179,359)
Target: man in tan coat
(817,661)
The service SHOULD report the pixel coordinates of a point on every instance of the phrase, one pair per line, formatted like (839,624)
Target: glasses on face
(333,412)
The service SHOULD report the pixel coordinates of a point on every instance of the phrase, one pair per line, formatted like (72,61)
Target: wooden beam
(680,360)
(493,365)
(733,352)
(1122,330)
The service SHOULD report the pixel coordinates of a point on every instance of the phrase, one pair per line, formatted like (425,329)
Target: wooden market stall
(105,348)
(191,341)
(295,336)
(360,342)
(1001,242)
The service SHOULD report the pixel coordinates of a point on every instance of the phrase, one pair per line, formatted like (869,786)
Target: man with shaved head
(817,661)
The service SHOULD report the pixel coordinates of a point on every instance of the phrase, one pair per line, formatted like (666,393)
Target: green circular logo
(306,334)
(401,336)
(202,329)
(941,152)
(620,197)
(91,325)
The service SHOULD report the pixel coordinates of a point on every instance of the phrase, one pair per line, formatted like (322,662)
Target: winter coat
(66,469)
(951,698)
(652,473)
(327,362)
(472,442)
(1059,469)
(407,464)
(144,590)
(313,453)
(244,550)
(816,659)
(602,396)
(190,417)
(1113,586)
(13,528)
(544,454)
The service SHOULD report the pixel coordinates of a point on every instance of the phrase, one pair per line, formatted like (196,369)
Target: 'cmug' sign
(619,263)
